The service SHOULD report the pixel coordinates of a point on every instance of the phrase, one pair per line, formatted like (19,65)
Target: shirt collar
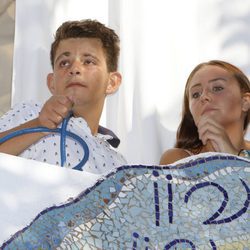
(109,135)
(114,141)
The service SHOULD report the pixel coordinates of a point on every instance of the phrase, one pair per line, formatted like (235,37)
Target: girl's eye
(195,95)
(217,88)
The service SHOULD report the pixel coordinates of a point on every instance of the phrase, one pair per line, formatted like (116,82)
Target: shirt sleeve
(19,114)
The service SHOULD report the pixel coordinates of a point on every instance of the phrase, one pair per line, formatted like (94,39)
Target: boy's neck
(92,117)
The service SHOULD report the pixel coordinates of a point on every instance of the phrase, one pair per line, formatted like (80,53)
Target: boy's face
(80,72)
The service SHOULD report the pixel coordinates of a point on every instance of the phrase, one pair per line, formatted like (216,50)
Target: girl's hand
(211,131)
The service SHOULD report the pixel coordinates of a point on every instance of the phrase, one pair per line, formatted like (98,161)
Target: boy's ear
(115,80)
(50,83)
(246,102)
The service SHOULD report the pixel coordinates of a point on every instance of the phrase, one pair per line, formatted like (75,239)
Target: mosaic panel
(201,204)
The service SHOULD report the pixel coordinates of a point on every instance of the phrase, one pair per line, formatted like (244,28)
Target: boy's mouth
(75,84)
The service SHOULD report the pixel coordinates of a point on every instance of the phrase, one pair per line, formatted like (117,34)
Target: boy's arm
(18,144)
(51,115)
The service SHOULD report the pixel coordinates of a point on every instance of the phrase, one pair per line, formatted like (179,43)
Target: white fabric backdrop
(27,187)
(161,41)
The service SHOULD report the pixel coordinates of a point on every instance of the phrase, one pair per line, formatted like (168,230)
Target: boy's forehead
(71,43)
(85,44)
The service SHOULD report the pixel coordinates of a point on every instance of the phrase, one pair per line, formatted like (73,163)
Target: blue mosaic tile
(202,204)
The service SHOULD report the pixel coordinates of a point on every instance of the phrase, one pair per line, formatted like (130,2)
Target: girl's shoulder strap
(188,151)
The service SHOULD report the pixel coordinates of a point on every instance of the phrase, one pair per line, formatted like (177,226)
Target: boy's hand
(54,111)
(210,130)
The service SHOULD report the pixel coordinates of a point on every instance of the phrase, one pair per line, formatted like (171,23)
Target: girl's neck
(236,137)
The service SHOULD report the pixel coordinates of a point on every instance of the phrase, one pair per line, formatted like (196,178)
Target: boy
(84,58)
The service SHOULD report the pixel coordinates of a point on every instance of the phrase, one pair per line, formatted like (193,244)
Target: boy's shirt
(102,157)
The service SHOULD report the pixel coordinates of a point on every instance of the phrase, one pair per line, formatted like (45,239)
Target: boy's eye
(64,63)
(89,61)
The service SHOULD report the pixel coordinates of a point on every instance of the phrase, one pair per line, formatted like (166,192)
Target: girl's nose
(205,96)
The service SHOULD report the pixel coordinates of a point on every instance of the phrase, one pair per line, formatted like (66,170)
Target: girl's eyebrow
(218,79)
(210,81)
(195,85)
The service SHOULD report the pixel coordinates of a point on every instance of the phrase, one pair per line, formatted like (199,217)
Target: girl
(215,112)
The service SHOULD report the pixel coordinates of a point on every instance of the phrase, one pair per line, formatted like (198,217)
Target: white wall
(7,24)
(161,41)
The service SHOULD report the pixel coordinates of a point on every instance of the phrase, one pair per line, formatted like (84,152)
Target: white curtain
(161,42)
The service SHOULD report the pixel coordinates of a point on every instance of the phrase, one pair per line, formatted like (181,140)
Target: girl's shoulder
(247,144)
(173,155)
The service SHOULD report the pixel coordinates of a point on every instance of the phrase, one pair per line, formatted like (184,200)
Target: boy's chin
(73,96)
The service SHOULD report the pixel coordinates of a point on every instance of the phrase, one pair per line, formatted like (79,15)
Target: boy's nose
(75,69)
(75,72)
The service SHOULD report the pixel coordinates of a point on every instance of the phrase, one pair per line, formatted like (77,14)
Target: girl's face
(213,92)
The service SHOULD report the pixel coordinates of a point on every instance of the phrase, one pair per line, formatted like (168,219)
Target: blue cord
(63,132)
(63,140)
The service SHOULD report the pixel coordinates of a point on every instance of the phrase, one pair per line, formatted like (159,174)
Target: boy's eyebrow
(67,53)
(210,81)
(90,55)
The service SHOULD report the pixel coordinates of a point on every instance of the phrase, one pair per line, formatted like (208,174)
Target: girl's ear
(246,102)
(50,83)
(115,80)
